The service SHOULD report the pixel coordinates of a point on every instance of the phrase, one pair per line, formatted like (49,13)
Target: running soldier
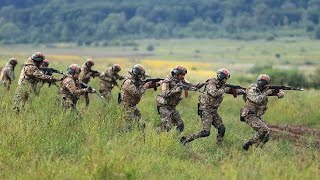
(71,90)
(170,97)
(86,74)
(29,77)
(109,80)
(131,92)
(7,73)
(209,103)
(255,107)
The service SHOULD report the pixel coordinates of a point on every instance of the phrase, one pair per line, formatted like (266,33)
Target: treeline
(82,21)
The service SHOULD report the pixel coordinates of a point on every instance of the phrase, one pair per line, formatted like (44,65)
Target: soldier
(29,77)
(71,89)
(7,73)
(86,74)
(131,91)
(109,80)
(255,107)
(171,97)
(209,103)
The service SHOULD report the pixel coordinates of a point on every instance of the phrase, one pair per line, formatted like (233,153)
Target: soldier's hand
(268,92)
(241,91)
(147,85)
(280,94)
(178,88)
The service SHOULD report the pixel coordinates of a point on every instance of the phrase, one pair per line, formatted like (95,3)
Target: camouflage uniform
(7,75)
(84,77)
(255,107)
(209,103)
(69,93)
(167,102)
(27,83)
(131,91)
(108,81)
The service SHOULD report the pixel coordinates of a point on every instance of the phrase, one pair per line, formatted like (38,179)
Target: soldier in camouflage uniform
(29,77)
(170,97)
(255,107)
(109,80)
(209,103)
(7,73)
(131,91)
(86,74)
(71,90)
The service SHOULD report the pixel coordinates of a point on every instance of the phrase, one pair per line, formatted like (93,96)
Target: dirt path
(294,133)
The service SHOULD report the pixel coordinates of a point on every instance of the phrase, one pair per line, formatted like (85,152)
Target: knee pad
(221,130)
(180,127)
(204,133)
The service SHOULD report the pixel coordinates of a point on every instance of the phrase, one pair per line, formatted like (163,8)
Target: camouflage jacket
(213,94)
(71,89)
(30,73)
(171,94)
(256,100)
(7,73)
(109,79)
(131,90)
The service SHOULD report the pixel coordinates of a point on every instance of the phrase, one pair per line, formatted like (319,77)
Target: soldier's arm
(166,91)
(71,86)
(10,74)
(213,91)
(120,77)
(255,97)
(33,71)
(85,74)
(132,89)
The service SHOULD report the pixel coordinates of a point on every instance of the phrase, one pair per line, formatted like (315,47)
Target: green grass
(44,143)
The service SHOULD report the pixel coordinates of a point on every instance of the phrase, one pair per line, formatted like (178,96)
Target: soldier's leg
(86,99)
(165,116)
(20,95)
(217,123)
(106,93)
(206,119)
(261,134)
(176,120)
(129,116)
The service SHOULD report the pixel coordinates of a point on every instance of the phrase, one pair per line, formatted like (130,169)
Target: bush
(150,47)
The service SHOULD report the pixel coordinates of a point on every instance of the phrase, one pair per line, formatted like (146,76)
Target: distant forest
(83,21)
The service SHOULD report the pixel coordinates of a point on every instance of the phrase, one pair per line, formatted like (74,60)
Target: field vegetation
(43,142)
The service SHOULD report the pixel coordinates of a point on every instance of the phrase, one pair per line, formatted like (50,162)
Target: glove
(280,94)
(178,89)
(268,92)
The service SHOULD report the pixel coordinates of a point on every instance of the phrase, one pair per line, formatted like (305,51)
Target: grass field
(44,143)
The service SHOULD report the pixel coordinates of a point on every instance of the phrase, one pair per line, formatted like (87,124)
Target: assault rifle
(84,85)
(49,71)
(233,89)
(277,88)
(187,88)
(154,82)
(94,73)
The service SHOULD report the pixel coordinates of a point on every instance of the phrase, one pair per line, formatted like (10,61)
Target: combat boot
(247,145)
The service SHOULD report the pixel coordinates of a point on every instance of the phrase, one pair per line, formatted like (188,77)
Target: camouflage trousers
(132,117)
(208,118)
(261,135)
(86,99)
(106,93)
(67,103)
(170,117)
(6,84)
(22,94)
